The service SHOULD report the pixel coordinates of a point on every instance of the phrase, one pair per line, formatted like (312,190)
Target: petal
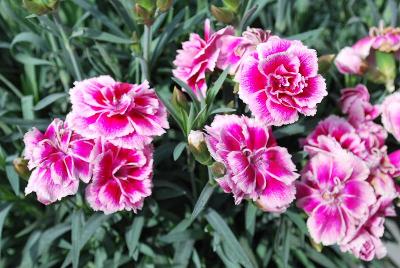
(277,196)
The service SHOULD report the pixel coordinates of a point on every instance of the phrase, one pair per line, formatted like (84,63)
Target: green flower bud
(198,147)
(222,14)
(179,100)
(40,7)
(382,69)
(218,169)
(144,15)
(21,167)
(232,5)
(164,5)
(325,62)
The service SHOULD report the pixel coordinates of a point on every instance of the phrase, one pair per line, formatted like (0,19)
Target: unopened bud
(222,14)
(179,100)
(198,147)
(317,246)
(325,62)
(40,7)
(145,16)
(21,167)
(164,5)
(232,5)
(218,170)
(383,70)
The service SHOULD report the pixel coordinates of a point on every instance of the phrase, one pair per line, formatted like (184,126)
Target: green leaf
(250,220)
(28,59)
(178,150)
(50,235)
(219,225)
(223,110)
(202,200)
(213,91)
(133,234)
(46,101)
(13,178)
(4,210)
(298,220)
(76,234)
(100,36)
(27,107)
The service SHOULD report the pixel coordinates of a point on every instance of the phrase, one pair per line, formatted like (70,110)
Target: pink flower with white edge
(332,133)
(334,193)
(355,103)
(236,49)
(391,114)
(127,115)
(365,242)
(256,168)
(199,56)
(350,61)
(122,178)
(280,81)
(59,158)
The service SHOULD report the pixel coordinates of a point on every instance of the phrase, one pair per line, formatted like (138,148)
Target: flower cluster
(105,141)
(347,187)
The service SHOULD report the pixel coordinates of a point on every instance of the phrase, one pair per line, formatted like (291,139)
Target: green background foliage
(187,221)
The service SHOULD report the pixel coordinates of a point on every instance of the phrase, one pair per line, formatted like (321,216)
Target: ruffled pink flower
(256,168)
(58,158)
(354,59)
(355,103)
(333,133)
(122,178)
(365,242)
(334,193)
(199,56)
(391,114)
(236,49)
(280,81)
(350,61)
(127,115)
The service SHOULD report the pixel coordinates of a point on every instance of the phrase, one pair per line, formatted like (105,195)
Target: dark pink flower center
(333,194)
(285,82)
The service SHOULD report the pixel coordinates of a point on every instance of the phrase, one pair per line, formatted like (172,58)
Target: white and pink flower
(280,81)
(391,114)
(256,168)
(236,49)
(127,115)
(335,194)
(355,102)
(59,158)
(122,178)
(199,56)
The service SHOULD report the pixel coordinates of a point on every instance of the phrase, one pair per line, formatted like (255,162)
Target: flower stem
(68,47)
(146,51)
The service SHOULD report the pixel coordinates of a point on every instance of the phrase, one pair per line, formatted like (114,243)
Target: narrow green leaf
(100,36)
(223,110)
(178,150)
(202,200)
(28,59)
(213,91)
(219,225)
(27,107)
(46,101)
(311,34)
(250,220)
(4,210)
(13,178)
(76,234)
(133,234)
(50,235)
(298,220)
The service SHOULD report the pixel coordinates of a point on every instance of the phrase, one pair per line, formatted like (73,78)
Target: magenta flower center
(286,82)
(333,194)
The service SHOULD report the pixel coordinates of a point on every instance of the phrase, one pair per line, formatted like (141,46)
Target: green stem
(68,47)
(146,51)
(191,166)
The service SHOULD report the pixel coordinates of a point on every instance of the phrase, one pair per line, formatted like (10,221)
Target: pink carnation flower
(58,158)
(236,49)
(199,56)
(354,59)
(391,114)
(333,191)
(333,133)
(256,168)
(127,115)
(122,178)
(350,61)
(280,81)
(355,103)
(365,242)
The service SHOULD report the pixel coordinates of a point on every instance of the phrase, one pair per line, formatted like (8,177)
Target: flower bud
(382,69)
(222,14)
(21,167)
(325,62)
(144,15)
(232,5)
(179,100)
(198,147)
(218,169)
(164,5)
(40,7)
